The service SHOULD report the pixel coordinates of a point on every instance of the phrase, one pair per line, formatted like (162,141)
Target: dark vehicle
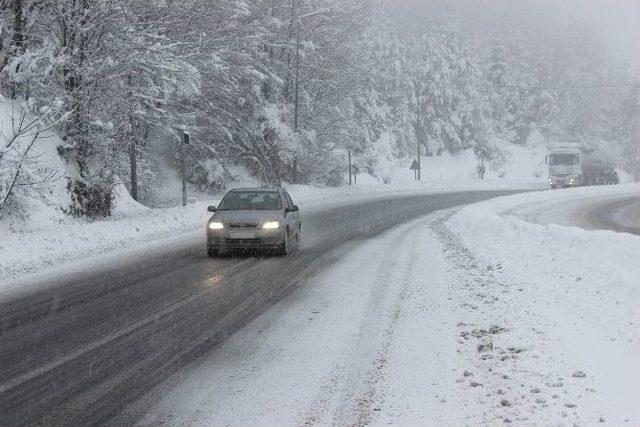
(253,218)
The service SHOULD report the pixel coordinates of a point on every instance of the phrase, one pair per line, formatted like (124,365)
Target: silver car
(254,218)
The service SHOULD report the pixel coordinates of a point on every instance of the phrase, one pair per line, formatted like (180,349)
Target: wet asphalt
(621,215)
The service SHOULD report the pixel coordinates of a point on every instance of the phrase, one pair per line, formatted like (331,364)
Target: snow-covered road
(456,318)
(61,245)
(617,212)
(78,346)
(342,350)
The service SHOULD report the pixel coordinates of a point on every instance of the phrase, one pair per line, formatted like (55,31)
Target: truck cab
(565,167)
(575,164)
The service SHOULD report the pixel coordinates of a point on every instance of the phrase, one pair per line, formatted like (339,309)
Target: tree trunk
(133,162)
(297,84)
(17,39)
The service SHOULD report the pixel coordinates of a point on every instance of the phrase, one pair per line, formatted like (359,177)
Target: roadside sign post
(185,141)
(415,167)
(481,169)
(418,167)
(481,153)
(355,169)
(349,151)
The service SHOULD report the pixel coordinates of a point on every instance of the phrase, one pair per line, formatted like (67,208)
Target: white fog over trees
(285,88)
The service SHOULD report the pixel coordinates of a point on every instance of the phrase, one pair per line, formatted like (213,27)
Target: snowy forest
(286,89)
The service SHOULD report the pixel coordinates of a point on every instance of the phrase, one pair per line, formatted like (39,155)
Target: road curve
(82,347)
(619,213)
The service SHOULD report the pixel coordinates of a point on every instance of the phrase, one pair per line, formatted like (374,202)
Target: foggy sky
(618,21)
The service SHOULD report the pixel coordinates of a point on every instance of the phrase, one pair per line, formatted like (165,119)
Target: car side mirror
(293,208)
(212,209)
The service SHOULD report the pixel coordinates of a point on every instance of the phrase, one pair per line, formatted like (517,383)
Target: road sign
(354,170)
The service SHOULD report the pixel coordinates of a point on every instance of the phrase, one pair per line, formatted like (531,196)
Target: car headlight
(216,226)
(273,225)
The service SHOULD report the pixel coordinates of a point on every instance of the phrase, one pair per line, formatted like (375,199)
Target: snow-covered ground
(461,317)
(576,308)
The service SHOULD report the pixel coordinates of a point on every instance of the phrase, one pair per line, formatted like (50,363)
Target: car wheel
(285,248)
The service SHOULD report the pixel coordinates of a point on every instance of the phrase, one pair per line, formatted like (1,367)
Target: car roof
(257,189)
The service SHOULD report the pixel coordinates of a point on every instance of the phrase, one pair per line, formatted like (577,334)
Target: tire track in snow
(354,392)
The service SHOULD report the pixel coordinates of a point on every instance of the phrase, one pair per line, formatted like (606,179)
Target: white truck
(573,164)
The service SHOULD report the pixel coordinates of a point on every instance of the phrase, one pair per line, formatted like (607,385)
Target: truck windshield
(564,159)
(251,201)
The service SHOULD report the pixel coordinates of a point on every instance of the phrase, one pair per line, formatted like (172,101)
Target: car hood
(253,217)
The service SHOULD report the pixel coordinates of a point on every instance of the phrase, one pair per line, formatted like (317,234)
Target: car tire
(285,248)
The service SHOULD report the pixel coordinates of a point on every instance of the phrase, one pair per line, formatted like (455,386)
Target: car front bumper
(261,240)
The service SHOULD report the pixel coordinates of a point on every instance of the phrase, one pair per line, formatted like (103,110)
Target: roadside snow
(48,248)
(573,310)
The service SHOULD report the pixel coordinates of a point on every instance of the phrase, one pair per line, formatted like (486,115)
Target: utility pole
(297,90)
(133,160)
(349,151)
(419,166)
(185,141)
(134,168)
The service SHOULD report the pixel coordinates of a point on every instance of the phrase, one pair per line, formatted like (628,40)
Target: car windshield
(563,159)
(251,201)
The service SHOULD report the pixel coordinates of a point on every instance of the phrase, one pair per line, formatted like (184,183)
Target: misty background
(616,21)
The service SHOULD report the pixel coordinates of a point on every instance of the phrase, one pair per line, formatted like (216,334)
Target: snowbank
(31,250)
(577,311)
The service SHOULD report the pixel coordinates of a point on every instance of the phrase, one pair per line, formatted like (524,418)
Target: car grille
(243,225)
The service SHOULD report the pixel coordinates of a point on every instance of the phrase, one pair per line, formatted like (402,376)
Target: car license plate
(242,235)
